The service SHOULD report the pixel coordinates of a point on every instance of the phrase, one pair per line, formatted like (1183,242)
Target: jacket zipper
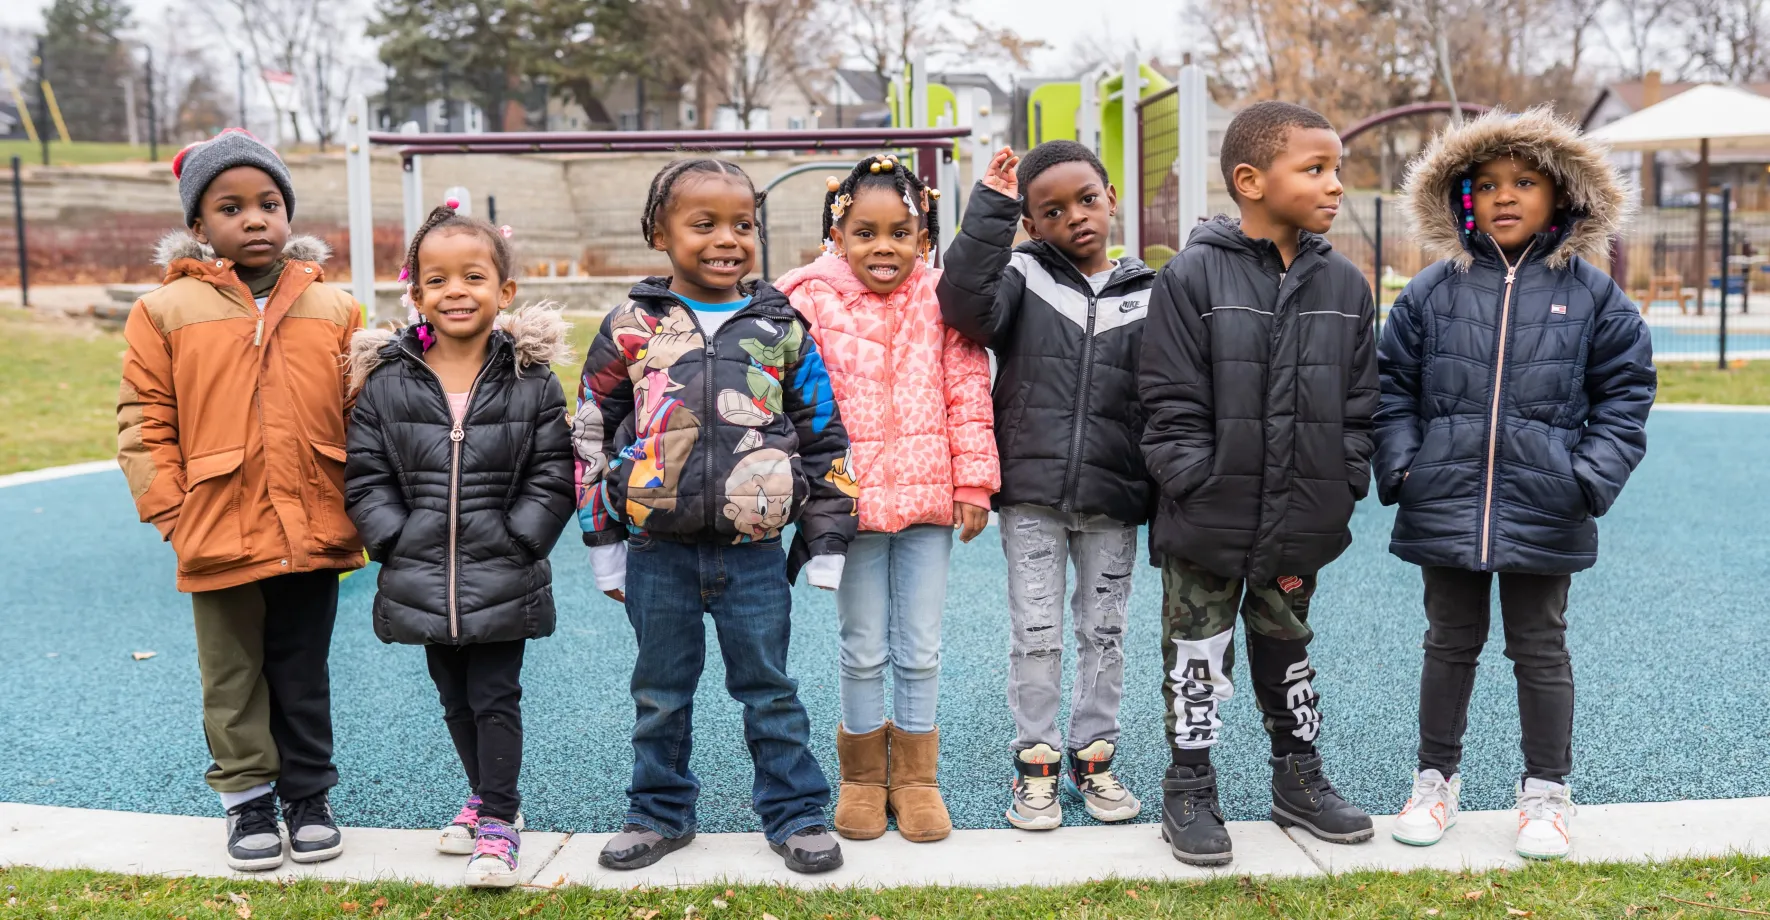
(1081,420)
(1493,421)
(708,409)
(890,417)
(456,435)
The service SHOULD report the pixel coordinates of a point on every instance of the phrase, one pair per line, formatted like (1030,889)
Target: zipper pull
(1510,274)
(455,434)
(258,336)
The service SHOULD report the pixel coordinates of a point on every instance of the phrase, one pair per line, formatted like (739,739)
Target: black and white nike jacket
(1068,417)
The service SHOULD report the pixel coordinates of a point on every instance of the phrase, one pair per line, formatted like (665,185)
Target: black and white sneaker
(254,842)
(313,835)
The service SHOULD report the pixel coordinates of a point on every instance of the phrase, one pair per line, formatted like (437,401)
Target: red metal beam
(545,141)
(1404,111)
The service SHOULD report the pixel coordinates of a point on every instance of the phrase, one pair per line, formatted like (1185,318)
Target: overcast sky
(1153,24)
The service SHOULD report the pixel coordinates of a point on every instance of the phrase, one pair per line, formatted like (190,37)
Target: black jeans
(481,693)
(1534,611)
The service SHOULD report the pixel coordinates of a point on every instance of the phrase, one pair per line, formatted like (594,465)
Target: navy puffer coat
(1515,392)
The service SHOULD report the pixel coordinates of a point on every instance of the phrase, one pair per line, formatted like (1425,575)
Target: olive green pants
(267,700)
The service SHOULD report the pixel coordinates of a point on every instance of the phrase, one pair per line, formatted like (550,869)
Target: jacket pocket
(329,527)
(210,533)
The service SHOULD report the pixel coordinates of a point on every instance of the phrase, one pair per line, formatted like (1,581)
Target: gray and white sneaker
(254,842)
(1035,806)
(810,851)
(1090,779)
(638,846)
(313,834)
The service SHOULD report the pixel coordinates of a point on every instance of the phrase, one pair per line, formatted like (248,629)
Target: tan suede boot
(860,802)
(914,791)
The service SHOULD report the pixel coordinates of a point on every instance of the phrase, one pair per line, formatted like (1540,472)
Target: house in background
(857,99)
(1674,174)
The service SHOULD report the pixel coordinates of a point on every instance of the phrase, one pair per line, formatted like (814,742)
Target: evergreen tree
(86,64)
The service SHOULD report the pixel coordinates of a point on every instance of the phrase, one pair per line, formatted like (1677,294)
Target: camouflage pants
(1199,610)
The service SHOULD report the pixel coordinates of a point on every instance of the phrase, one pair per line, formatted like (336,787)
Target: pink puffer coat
(914,394)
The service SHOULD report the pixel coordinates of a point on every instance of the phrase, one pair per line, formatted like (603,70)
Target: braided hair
(446,217)
(663,188)
(882,171)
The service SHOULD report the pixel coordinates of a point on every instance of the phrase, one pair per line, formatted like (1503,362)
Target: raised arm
(979,295)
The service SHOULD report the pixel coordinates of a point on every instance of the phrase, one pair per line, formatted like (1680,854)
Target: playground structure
(933,122)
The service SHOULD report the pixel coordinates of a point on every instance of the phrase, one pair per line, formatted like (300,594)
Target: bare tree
(1728,39)
(886,34)
(1637,31)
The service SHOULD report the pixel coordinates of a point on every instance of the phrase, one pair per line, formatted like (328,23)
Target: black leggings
(1534,610)
(482,705)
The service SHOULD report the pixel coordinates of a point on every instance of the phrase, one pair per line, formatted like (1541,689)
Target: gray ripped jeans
(1040,544)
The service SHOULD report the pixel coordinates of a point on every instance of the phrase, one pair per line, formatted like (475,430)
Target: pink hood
(914,394)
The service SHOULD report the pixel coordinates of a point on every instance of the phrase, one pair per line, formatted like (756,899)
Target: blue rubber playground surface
(1668,633)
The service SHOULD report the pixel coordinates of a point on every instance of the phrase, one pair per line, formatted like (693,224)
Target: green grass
(1545,891)
(1744,384)
(58,392)
(78,153)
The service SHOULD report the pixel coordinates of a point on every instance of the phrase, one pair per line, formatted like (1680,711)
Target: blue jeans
(893,589)
(670,587)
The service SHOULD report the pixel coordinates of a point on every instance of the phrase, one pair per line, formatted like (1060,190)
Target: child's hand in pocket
(1001,176)
(969,520)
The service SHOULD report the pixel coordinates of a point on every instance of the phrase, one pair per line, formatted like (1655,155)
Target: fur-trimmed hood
(1598,199)
(179,244)
(535,333)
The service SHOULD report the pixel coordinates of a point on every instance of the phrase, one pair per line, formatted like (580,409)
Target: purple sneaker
(496,854)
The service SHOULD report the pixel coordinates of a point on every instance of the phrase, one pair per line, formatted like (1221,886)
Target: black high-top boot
(1192,824)
(1303,797)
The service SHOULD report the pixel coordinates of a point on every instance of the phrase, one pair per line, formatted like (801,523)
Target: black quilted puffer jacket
(1260,384)
(1067,417)
(461,517)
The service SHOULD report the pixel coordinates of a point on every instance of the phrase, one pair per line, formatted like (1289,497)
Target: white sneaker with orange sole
(1430,811)
(1543,810)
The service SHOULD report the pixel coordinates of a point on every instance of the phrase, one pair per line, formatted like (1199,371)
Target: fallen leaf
(1476,894)
(1711,895)
(236,898)
(1630,910)
(1515,912)
(729,894)
(243,912)
(690,911)
(768,916)
(1133,895)
(720,904)
(1431,911)
(379,903)
(348,907)
(142,656)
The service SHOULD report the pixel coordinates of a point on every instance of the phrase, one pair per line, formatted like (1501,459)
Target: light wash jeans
(1041,543)
(893,589)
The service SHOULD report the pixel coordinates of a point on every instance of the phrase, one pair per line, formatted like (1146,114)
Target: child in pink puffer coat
(915,397)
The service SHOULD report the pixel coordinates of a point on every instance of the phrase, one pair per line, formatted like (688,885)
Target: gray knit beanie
(198,164)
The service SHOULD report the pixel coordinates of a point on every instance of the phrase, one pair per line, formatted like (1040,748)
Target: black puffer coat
(461,524)
(1067,417)
(1515,399)
(1260,392)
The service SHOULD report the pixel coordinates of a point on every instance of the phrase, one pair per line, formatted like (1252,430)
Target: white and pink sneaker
(457,838)
(1430,811)
(1543,810)
(496,855)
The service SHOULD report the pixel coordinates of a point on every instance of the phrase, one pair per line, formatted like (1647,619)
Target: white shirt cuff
(825,571)
(609,562)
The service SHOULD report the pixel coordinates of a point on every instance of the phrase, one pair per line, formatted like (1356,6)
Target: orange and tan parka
(231,421)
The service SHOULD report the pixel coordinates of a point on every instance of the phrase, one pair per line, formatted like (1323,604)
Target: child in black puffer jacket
(1516,382)
(459,477)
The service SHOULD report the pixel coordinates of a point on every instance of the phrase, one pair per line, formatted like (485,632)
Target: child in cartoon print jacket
(730,441)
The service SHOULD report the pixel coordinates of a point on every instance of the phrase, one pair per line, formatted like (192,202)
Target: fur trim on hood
(536,333)
(1598,198)
(179,244)
(835,271)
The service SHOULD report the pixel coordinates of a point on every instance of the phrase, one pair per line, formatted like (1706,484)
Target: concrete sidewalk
(142,844)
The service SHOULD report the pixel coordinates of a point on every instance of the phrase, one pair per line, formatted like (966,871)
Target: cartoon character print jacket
(727,440)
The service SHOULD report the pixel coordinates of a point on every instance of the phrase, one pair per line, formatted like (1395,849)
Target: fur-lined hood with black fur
(1598,200)
(179,244)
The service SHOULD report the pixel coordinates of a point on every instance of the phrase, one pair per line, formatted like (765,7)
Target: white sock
(230,799)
